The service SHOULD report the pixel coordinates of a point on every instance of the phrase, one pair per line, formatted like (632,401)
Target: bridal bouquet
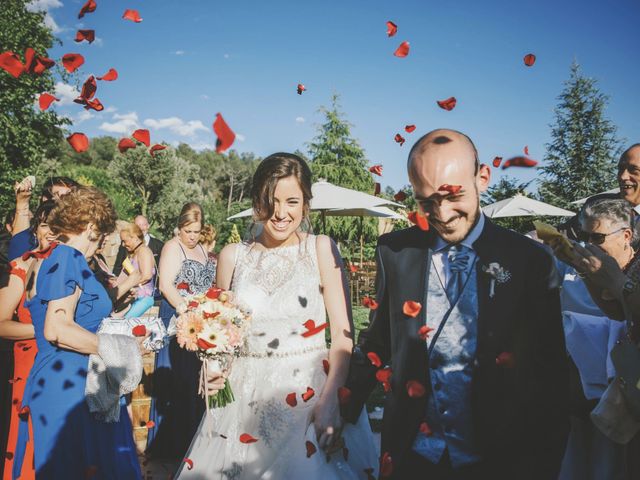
(214,327)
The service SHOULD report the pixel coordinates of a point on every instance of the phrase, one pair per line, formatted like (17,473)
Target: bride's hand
(327,421)
(215,382)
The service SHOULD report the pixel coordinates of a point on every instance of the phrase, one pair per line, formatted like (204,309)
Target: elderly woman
(67,305)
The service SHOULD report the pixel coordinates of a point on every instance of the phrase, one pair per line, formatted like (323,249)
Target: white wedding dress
(282,288)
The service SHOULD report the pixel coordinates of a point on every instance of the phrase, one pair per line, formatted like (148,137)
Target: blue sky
(190,59)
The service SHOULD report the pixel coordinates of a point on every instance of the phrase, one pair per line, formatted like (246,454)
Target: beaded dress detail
(282,288)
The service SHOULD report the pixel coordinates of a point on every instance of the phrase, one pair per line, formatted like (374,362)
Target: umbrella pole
(361,241)
(324,222)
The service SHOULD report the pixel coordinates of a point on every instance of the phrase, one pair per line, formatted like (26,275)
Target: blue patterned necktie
(458,256)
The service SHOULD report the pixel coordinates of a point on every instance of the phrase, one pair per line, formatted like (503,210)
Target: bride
(286,394)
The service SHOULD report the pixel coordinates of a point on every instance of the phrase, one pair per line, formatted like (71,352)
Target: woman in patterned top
(176,409)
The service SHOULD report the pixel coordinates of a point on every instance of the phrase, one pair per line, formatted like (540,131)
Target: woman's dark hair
(56,182)
(271,170)
(42,213)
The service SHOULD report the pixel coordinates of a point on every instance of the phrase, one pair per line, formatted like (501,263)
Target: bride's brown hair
(271,170)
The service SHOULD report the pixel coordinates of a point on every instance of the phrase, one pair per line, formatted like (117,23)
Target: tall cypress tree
(581,157)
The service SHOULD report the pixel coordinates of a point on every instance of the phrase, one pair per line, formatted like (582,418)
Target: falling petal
(344,395)
(526,150)
(386,465)
(529,59)
(400,196)
(311,448)
(369,303)
(94,104)
(450,189)
(399,139)
(41,64)
(72,61)
(10,62)
(425,429)
(45,100)
(89,88)
(132,15)
(189,463)
(411,308)
(423,332)
(79,142)
(181,285)
(291,399)
(139,331)
(497,161)
(88,35)
(402,50)
(448,104)
(142,135)
(110,76)
(214,293)
(246,438)
(392,28)
(419,219)
(415,389)
(376,170)
(325,366)
(519,161)
(150,424)
(384,374)
(156,148)
(125,144)
(353,268)
(506,360)
(308,395)
(301,88)
(225,135)
(409,128)
(88,7)
(312,329)
(374,359)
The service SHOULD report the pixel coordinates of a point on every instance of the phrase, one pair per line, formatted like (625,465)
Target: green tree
(509,187)
(27,135)
(581,157)
(338,158)
(235,236)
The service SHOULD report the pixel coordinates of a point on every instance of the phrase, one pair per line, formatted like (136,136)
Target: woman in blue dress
(67,305)
(176,407)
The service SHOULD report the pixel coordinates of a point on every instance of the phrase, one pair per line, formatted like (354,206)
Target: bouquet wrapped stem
(222,397)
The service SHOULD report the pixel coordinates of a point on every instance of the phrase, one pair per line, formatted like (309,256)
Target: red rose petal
(14,380)
(246,438)
(415,389)
(45,100)
(79,142)
(353,268)
(156,148)
(132,15)
(384,374)
(124,145)
(451,189)
(402,50)
(89,88)
(529,59)
(193,304)
(325,366)
(386,386)
(214,293)
(72,61)
(448,104)
(506,360)
(88,35)
(392,28)
(41,64)
(423,332)
(189,463)
(409,128)
(418,219)
(10,62)
(369,302)
(526,150)
(497,161)
(226,137)
(386,465)
(374,359)
(301,88)
(411,308)
(110,76)
(150,424)
(308,395)
(311,448)
(312,329)
(182,285)
(204,345)
(94,104)
(29,59)
(344,395)
(399,139)
(142,135)
(291,399)
(425,429)
(376,170)
(139,331)
(400,196)
(88,7)
(519,161)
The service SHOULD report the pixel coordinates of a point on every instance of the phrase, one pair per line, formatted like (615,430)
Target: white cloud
(179,52)
(110,110)
(83,116)
(98,42)
(226,55)
(202,146)
(123,124)
(205,97)
(177,125)
(45,6)
(66,93)
(240,137)
(300,120)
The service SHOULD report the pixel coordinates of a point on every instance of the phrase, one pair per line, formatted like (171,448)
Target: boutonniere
(497,274)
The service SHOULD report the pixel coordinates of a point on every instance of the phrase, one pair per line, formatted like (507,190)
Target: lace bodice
(282,288)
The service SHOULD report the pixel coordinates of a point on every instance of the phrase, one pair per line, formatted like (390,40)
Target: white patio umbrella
(582,200)
(521,206)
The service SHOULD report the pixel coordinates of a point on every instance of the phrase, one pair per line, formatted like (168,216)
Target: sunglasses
(597,238)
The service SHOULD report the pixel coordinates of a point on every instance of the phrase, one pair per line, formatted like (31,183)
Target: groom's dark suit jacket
(519,412)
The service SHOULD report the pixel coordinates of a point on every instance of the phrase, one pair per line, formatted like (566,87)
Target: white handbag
(124,326)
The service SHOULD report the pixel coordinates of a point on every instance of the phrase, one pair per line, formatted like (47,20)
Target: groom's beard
(455,228)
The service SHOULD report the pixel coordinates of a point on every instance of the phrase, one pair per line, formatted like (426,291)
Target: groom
(479,375)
